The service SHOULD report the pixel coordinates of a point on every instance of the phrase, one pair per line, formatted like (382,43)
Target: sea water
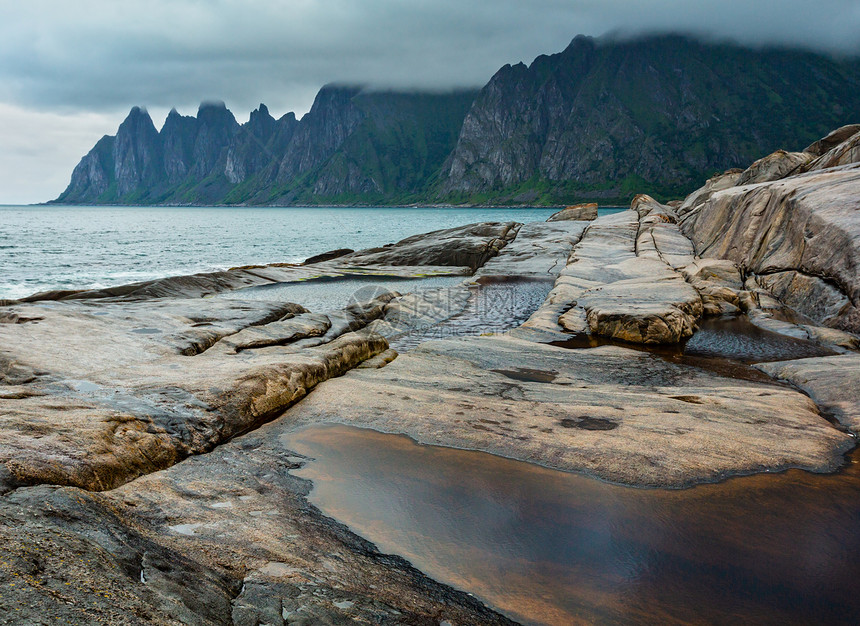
(67,247)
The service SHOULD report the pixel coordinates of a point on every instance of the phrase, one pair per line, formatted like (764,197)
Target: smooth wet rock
(843,153)
(803,232)
(833,139)
(832,381)
(659,236)
(644,204)
(494,299)
(717,183)
(464,246)
(718,282)
(587,212)
(328,256)
(774,167)
(649,310)
(227,538)
(278,333)
(832,337)
(73,557)
(607,290)
(607,240)
(380,360)
(97,403)
(814,297)
(672,425)
(540,250)
(415,312)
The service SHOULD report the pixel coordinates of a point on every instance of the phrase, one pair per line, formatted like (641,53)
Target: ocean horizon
(42,248)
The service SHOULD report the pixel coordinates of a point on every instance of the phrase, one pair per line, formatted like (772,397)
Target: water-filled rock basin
(548,547)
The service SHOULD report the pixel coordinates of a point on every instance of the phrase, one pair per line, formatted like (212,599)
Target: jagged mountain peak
(215,113)
(138,111)
(334,94)
(138,117)
(261,115)
(211,104)
(580,43)
(598,120)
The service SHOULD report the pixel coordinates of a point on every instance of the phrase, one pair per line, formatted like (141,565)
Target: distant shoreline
(610,205)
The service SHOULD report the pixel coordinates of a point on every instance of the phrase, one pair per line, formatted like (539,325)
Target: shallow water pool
(548,547)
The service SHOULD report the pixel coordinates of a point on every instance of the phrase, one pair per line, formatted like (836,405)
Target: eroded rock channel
(152,436)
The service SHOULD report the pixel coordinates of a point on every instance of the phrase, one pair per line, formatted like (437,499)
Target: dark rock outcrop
(257,144)
(586,212)
(463,246)
(137,153)
(352,143)
(94,175)
(607,118)
(833,139)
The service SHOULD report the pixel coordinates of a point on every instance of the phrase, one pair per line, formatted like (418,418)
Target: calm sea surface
(46,247)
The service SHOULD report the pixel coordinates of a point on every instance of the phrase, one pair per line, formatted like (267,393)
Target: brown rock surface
(832,381)
(96,395)
(540,250)
(718,283)
(774,167)
(587,211)
(465,246)
(844,153)
(606,289)
(717,183)
(833,139)
(623,415)
(224,538)
(804,228)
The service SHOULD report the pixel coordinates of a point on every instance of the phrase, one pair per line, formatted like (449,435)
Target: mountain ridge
(601,120)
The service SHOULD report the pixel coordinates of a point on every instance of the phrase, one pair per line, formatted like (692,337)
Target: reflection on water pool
(548,547)
(326,294)
(494,306)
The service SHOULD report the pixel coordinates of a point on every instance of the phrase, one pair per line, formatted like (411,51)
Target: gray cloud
(99,54)
(103,56)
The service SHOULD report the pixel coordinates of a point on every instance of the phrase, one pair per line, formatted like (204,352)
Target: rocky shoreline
(144,472)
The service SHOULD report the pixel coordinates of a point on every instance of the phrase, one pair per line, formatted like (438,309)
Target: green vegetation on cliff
(602,120)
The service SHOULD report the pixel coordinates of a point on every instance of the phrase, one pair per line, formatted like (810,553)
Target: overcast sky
(71,69)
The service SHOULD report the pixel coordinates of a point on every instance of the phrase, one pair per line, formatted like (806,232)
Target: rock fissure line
(231,513)
(833,281)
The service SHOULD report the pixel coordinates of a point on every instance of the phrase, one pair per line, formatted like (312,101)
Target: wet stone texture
(147,470)
(623,415)
(106,389)
(558,548)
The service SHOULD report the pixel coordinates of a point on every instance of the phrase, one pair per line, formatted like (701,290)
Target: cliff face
(350,144)
(143,165)
(137,153)
(93,175)
(257,144)
(603,119)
